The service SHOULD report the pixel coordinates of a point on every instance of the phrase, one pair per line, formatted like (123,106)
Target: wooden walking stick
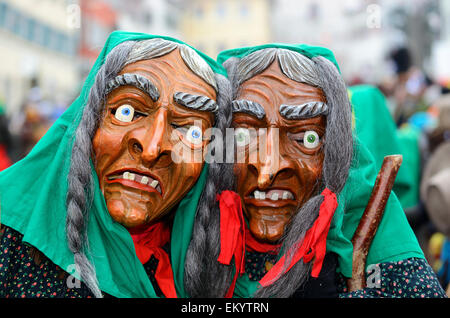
(371,218)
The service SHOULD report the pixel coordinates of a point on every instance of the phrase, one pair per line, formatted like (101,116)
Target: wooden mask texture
(286,172)
(144,162)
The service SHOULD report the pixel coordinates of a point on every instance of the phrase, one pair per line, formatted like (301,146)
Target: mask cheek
(106,149)
(116,209)
(240,171)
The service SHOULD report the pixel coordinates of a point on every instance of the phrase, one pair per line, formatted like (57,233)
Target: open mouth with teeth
(271,197)
(134,179)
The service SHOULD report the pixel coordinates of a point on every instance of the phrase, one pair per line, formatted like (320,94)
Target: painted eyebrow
(307,110)
(197,102)
(136,80)
(248,107)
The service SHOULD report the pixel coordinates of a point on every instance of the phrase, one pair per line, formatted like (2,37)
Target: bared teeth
(127,175)
(144,180)
(273,195)
(154,184)
(287,195)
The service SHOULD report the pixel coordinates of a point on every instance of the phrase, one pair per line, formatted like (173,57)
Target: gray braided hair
(338,144)
(80,183)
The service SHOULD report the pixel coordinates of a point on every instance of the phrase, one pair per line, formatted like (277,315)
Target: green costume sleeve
(33,202)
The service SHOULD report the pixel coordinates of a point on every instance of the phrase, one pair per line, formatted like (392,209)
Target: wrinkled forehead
(170,73)
(272,88)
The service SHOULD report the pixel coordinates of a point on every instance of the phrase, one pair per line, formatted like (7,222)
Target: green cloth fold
(376,128)
(33,202)
(394,239)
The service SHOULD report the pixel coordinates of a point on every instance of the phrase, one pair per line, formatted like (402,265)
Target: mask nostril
(137,148)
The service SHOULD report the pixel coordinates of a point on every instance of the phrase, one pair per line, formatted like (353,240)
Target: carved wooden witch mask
(157,111)
(279,125)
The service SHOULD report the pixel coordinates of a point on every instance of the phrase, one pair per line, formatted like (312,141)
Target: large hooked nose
(270,160)
(151,142)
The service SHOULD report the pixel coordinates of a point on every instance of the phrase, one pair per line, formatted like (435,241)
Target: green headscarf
(33,202)
(376,128)
(394,239)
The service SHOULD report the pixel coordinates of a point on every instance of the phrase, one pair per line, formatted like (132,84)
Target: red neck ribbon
(253,245)
(314,243)
(150,242)
(232,234)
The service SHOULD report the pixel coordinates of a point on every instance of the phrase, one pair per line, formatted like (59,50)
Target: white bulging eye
(194,135)
(125,113)
(242,137)
(311,139)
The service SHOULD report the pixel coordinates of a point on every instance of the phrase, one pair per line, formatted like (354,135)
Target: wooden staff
(371,218)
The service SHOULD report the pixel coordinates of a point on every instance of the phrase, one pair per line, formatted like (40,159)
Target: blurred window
(30,30)
(198,11)
(148,17)
(171,21)
(243,9)
(314,11)
(22,22)
(38,33)
(64,43)
(72,44)
(33,30)
(3,13)
(221,9)
(46,36)
(56,41)
(11,20)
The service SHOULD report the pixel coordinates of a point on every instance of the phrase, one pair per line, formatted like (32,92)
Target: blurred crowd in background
(401,48)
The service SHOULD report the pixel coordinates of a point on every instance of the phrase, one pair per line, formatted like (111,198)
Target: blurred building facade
(440,52)
(53,43)
(38,49)
(361,33)
(98,20)
(148,16)
(216,25)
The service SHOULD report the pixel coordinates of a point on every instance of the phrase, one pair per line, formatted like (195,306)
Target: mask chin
(267,231)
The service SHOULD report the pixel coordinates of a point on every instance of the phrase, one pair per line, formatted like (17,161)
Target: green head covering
(304,49)
(394,239)
(376,129)
(33,202)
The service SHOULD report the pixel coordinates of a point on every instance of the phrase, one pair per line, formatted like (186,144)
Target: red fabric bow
(232,234)
(150,242)
(313,245)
